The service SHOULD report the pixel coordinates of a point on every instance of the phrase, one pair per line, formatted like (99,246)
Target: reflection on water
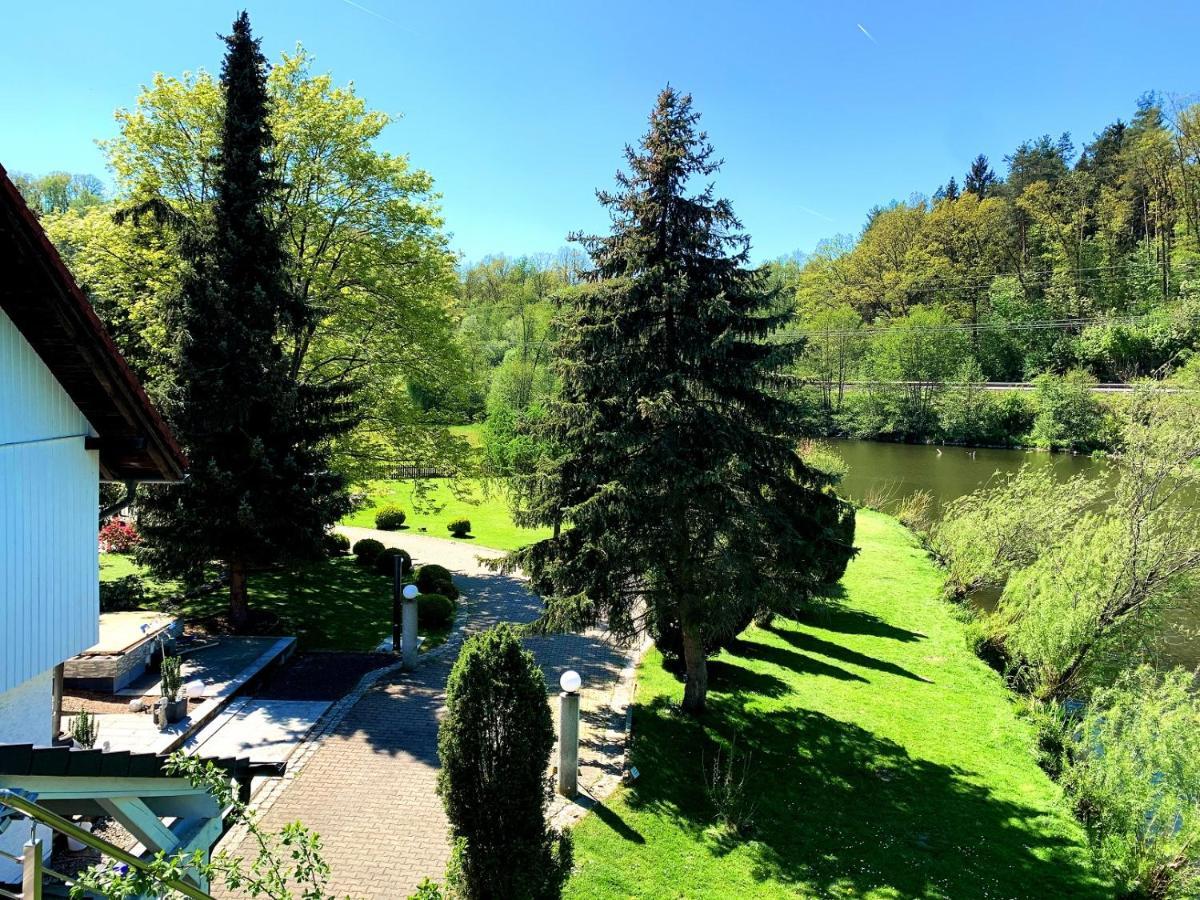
(897,470)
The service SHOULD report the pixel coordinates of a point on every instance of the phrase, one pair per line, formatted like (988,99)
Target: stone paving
(365,780)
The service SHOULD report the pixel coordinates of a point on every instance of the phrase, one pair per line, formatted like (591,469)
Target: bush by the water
(336,544)
(385,562)
(459,527)
(122,594)
(494,790)
(435,579)
(1133,771)
(434,611)
(367,551)
(390,518)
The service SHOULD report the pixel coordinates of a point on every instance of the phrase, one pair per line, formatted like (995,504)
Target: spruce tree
(674,486)
(980,179)
(259,489)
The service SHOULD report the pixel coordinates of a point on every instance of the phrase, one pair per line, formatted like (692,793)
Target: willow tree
(673,480)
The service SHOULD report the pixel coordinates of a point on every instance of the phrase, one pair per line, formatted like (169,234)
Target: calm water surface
(897,470)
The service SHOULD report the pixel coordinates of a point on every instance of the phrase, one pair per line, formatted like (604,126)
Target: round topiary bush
(389,518)
(367,550)
(384,564)
(336,544)
(434,579)
(434,611)
(459,527)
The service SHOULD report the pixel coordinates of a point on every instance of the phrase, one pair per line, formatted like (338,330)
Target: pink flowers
(118,536)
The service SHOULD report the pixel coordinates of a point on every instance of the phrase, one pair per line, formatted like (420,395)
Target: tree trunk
(695,689)
(239,607)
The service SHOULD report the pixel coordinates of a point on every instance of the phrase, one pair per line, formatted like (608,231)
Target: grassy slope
(328,605)
(491,525)
(885,761)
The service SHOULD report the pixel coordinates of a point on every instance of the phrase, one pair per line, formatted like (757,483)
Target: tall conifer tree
(259,487)
(675,487)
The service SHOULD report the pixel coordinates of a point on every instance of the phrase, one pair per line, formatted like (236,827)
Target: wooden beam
(142,823)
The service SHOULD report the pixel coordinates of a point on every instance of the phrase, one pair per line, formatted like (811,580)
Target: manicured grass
(443,502)
(331,604)
(884,760)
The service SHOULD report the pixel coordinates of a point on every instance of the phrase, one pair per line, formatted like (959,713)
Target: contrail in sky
(870,37)
(813,212)
(371,12)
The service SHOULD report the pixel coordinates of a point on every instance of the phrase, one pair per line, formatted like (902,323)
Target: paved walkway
(365,781)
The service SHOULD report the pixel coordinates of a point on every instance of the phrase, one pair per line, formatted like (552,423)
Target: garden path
(365,780)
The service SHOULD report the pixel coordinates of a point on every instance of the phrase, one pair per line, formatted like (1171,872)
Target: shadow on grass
(727,677)
(617,824)
(841,811)
(809,643)
(789,659)
(832,617)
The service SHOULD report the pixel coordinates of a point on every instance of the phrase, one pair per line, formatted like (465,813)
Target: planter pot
(75,846)
(176,709)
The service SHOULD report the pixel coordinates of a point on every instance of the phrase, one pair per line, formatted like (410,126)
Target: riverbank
(881,759)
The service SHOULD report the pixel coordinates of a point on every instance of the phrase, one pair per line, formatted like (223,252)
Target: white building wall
(49,566)
(25,719)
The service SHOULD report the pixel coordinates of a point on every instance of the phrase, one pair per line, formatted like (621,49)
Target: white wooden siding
(49,599)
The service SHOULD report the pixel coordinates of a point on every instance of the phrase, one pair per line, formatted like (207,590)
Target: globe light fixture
(194,689)
(570,681)
(410,592)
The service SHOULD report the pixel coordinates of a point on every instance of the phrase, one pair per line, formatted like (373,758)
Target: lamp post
(568,734)
(408,638)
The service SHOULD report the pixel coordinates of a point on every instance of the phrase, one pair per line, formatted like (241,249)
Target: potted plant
(83,731)
(173,704)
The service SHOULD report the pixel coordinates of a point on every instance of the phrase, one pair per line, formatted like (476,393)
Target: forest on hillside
(1061,265)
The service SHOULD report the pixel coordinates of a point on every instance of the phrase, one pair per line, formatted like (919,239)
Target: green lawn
(885,761)
(332,604)
(491,524)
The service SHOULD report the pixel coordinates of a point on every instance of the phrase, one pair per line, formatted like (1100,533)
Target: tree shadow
(810,643)
(725,676)
(617,824)
(839,811)
(833,617)
(790,659)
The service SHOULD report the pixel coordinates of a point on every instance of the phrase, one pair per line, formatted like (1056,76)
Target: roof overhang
(47,306)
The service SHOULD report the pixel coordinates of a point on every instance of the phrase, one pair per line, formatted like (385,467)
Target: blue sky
(520,110)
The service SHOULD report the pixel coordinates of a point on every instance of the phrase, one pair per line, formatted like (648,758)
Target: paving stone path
(365,780)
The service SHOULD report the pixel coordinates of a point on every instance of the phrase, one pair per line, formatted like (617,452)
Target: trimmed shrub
(123,594)
(118,537)
(336,544)
(434,579)
(367,550)
(384,564)
(389,518)
(459,527)
(434,611)
(494,790)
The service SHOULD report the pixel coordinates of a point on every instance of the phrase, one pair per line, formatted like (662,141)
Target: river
(897,470)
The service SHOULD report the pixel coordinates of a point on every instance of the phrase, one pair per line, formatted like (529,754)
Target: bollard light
(410,592)
(194,689)
(570,681)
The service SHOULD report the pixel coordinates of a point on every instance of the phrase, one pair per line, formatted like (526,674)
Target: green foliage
(494,745)
(1068,415)
(385,562)
(84,729)
(1133,770)
(824,459)
(427,890)
(122,594)
(390,518)
(459,527)
(172,679)
(435,579)
(287,865)
(985,536)
(435,611)
(674,478)
(259,488)
(336,543)
(667,633)
(366,551)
